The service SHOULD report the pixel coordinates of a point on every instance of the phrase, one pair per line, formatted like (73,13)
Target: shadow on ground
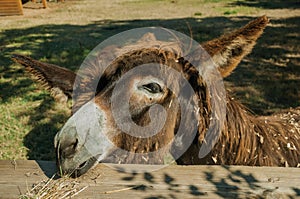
(266,4)
(268,79)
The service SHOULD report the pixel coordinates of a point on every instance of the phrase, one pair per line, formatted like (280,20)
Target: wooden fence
(17,177)
(11,7)
(14,7)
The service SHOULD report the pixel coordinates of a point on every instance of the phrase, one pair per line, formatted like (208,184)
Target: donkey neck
(255,140)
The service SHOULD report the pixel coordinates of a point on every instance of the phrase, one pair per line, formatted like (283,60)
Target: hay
(60,188)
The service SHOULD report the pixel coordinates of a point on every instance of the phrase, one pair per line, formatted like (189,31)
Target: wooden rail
(14,7)
(16,177)
(11,7)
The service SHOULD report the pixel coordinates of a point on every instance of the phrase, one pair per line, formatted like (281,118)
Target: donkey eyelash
(152,87)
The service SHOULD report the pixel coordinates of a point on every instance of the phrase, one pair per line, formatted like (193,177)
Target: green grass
(198,14)
(29,119)
(233,10)
(266,81)
(230,12)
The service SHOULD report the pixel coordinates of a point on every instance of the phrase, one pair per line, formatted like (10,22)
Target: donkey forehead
(94,78)
(112,60)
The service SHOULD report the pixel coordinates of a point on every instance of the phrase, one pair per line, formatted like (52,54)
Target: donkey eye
(152,87)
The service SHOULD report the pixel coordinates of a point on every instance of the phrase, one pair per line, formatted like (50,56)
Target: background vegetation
(266,81)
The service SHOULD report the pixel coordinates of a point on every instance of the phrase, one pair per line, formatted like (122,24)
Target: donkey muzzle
(82,141)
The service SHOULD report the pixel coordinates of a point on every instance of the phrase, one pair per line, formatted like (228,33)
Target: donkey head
(120,116)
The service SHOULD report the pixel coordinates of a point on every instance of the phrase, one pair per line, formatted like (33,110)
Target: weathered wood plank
(170,182)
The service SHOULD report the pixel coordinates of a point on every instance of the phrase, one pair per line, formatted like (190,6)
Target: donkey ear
(228,50)
(55,78)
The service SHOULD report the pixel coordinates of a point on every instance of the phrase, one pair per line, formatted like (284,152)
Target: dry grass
(54,189)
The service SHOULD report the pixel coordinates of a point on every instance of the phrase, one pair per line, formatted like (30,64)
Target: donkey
(244,138)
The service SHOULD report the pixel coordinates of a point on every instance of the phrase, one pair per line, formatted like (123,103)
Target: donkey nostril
(69,151)
(75,144)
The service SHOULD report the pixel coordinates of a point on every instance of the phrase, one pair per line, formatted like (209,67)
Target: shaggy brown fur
(245,139)
(254,140)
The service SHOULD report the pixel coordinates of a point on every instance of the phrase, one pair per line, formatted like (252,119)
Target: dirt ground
(266,81)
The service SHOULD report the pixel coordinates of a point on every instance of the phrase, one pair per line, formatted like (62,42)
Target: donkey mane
(251,140)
